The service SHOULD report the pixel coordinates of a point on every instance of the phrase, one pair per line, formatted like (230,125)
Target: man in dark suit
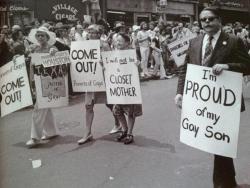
(220,51)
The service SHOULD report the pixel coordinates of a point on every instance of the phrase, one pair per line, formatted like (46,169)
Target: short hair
(142,23)
(214,10)
(47,35)
(95,27)
(15,34)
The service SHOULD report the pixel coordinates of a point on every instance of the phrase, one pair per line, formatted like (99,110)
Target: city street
(157,159)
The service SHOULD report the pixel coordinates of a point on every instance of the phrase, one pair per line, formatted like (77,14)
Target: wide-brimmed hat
(32,35)
(119,25)
(135,28)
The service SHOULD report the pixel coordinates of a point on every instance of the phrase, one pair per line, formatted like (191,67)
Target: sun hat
(135,27)
(16,28)
(119,24)
(32,35)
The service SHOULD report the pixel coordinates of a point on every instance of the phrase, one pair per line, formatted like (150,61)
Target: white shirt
(78,37)
(205,41)
(143,35)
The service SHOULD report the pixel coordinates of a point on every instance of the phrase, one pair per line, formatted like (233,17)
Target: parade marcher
(220,51)
(92,98)
(134,42)
(60,43)
(131,110)
(152,35)
(119,28)
(195,28)
(144,43)
(165,38)
(43,123)
(5,52)
(181,32)
(18,43)
(78,33)
(157,55)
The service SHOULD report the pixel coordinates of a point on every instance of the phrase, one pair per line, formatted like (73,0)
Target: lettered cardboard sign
(179,49)
(14,86)
(51,81)
(86,69)
(122,78)
(211,110)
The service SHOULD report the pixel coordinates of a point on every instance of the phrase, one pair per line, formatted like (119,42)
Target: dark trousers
(224,172)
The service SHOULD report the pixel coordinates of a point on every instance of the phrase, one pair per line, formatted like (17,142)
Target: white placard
(179,49)
(14,86)
(86,70)
(59,58)
(211,110)
(51,82)
(122,78)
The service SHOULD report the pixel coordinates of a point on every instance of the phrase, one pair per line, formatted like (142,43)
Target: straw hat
(32,35)
(135,28)
(119,25)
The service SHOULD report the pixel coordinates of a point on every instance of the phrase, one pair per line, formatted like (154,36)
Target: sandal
(121,136)
(129,139)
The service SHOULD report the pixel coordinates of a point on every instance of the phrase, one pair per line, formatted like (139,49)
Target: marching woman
(43,122)
(131,110)
(92,98)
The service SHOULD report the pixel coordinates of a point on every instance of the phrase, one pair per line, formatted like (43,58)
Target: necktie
(208,51)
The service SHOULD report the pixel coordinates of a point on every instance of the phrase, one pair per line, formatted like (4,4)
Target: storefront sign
(3,9)
(211,110)
(18,8)
(231,3)
(13,8)
(62,11)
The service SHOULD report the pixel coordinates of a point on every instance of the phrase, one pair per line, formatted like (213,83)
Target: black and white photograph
(125,93)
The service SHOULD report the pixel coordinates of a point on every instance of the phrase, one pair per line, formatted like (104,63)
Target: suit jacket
(229,50)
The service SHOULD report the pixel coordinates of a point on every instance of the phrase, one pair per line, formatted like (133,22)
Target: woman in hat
(43,123)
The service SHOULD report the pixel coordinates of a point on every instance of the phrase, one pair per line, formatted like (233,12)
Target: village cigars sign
(211,110)
(64,10)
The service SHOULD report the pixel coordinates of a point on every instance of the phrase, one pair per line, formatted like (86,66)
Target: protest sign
(211,110)
(59,58)
(122,79)
(86,70)
(51,82)
(179,49)
(246,87)
(15,88)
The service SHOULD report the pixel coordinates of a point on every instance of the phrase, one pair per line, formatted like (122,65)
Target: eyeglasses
(210,19)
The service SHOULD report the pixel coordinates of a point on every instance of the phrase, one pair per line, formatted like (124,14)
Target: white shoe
(85,140)
(115,130)
(44,137)
(32,143)
(163,77)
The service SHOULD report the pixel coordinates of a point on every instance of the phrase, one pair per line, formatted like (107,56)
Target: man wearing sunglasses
(220,51)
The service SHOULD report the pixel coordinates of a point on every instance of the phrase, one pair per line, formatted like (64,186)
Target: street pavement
(157,159)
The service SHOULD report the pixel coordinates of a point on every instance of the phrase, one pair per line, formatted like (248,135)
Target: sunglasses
(209,19)
(40,35)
